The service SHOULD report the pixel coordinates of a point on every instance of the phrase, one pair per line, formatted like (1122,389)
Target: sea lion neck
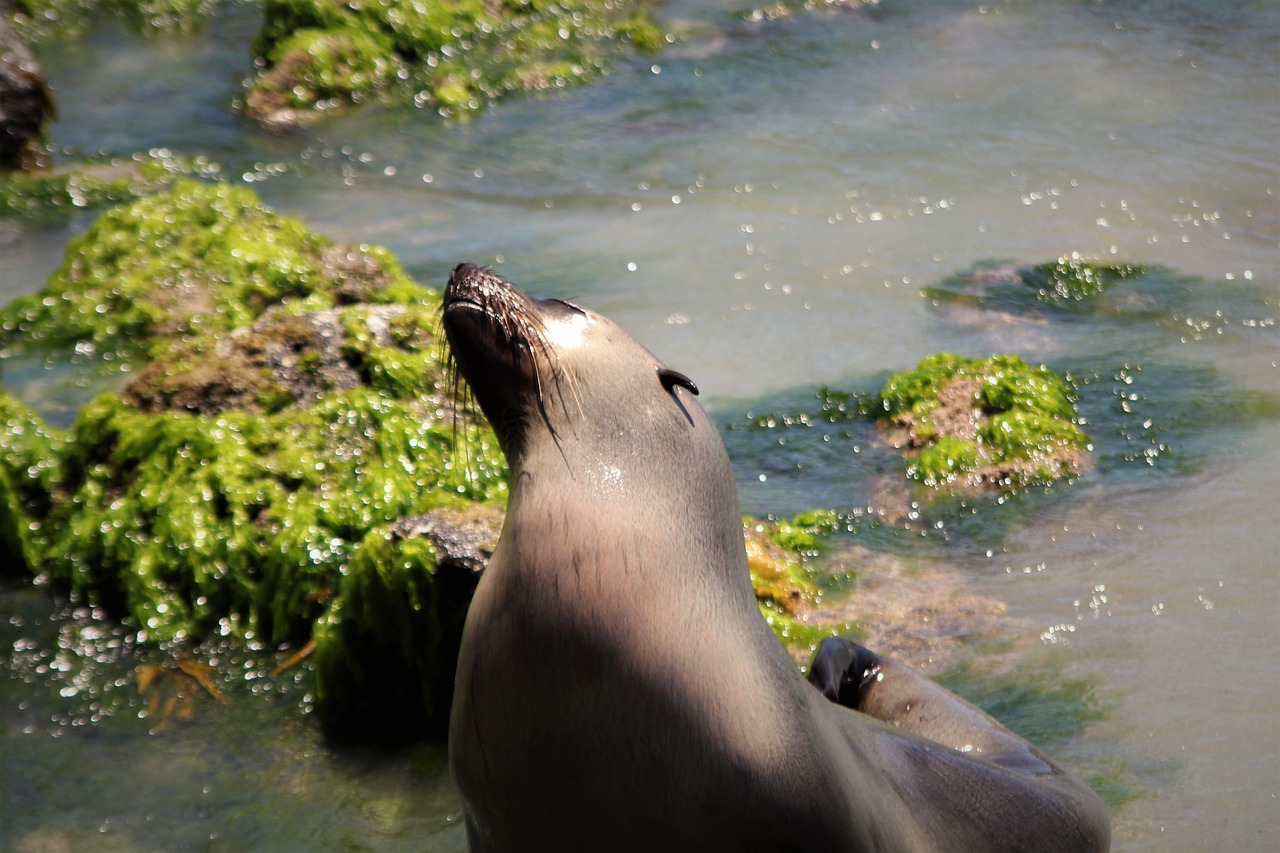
(587,417)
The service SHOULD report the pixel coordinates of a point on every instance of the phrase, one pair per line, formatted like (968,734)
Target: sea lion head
(549,369)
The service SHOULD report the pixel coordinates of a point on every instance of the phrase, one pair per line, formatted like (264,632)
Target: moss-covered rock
(193,259)
(78,186)
(227,485)
(386,651)
(454,55)
(30,454)
(984,423)
(43,20)
(779,552)
(1069,286)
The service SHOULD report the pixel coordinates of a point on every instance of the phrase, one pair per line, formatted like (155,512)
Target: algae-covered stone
(30,453)
(1068,286)
(78,186)
(193,259)
(778,555)
(984,423)
(387,649)
(454,55)
(42,20)
(227,485)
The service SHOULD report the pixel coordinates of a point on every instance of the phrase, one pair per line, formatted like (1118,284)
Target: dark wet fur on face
(517,330)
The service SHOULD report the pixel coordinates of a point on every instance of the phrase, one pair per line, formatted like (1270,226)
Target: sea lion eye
(567,304)
(670,378)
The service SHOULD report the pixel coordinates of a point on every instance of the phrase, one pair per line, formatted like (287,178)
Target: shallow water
(762,206)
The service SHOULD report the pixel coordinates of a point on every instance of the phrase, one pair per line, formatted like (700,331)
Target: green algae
(807,533)
(1036,703)
(45,20)
(1073,279)
(455,55)
(92,184)
(386,650)
(780,555)
(1070,286)
(243,521)
(994,421)
(30,454)
(192,259)
(1041,704)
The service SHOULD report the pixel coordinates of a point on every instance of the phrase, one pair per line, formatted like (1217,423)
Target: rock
(317,58)
(387,649)
(25,103)
(990,424)
(193,259)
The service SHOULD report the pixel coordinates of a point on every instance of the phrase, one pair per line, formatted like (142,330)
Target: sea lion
(617,688)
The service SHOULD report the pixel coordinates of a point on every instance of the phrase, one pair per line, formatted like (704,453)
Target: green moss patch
(81,186)
(779,552)
(993,423)
(193,505)
(30,453)
(193,259)
(454,55)
(386,651)
(1069,286)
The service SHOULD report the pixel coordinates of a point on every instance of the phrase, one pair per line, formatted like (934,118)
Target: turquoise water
(763,206)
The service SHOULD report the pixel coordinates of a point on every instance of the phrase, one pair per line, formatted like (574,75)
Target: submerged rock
(995,423)
(97,183)
(42,20)
(1067,287)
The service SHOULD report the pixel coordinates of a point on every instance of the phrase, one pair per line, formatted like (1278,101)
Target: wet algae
(243,518)
(96,182)
(455,56)
(196,258)
(994,422)
(30,460)
(1070,287)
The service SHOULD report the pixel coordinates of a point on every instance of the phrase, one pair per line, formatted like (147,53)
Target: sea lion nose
(478,283)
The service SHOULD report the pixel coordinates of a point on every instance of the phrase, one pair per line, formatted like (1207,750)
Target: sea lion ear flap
(671,378)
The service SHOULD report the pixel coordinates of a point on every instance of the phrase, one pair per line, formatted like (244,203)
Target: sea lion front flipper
(838,669)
